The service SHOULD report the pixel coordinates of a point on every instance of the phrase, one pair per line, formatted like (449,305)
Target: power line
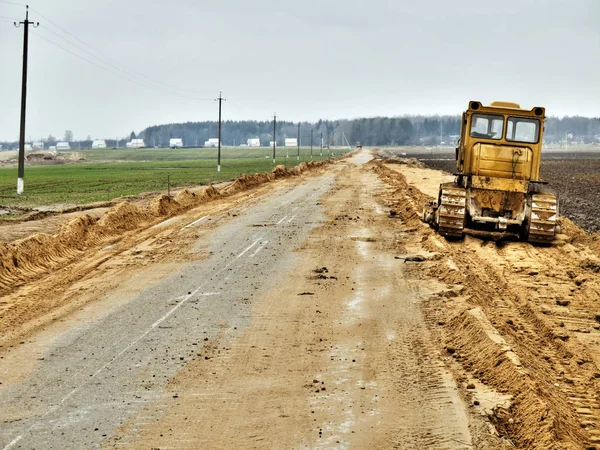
(123,68)
(132,80)
(87,60)
(131,75)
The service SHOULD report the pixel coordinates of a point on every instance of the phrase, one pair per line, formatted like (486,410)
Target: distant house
(28,147)
(63,146)
(212,142)
(38,145)
(175,143)
(271,143)
(136,143)
(254,142)
(99,143)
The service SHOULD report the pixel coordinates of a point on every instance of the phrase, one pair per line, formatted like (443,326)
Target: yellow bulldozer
(497,187)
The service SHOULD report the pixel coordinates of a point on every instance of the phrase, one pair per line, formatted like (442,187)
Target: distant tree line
(374,131)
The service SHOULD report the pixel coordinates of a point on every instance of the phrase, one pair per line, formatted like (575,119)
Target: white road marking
(194,222)
(291,218)
(13,442)
(260,247)
(248,248)
(282,220)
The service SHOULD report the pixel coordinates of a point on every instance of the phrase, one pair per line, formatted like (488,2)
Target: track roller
(543,218)
(449,217)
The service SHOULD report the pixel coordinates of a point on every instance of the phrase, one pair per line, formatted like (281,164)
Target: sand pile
(245,182)
(32,257)
(300,168)
(164,206)
(209,193)
(40,156)
(544,418)
(77,233)
(186,198)
(125,216)
(280,171)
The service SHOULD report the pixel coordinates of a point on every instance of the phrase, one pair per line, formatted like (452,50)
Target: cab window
(520,129)
(487,126)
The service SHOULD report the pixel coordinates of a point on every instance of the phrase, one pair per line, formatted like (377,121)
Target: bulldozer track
(450,214)
(543,220)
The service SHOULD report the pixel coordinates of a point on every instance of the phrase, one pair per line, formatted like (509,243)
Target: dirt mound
(300,168)
(280,171)
(209,193)
(245,182)
(77,232)
(186,198)
(540,422)
(37,254)
(40,156)
(32,257)
(164,206)
(124,216)
(52,157)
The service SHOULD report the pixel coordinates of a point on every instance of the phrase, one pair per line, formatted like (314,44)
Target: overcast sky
(305,60)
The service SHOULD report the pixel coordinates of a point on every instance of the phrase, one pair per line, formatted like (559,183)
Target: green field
(107,174)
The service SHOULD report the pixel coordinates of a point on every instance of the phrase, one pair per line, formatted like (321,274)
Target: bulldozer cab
(501,140)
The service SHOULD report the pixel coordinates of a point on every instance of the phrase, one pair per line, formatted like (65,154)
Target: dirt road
(308,312)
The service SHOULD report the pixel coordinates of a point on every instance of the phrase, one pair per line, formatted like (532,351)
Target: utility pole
(311,141)
(332,142)
(274,135)
(21,171)
(321,143)
(220,100)
(298,157)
